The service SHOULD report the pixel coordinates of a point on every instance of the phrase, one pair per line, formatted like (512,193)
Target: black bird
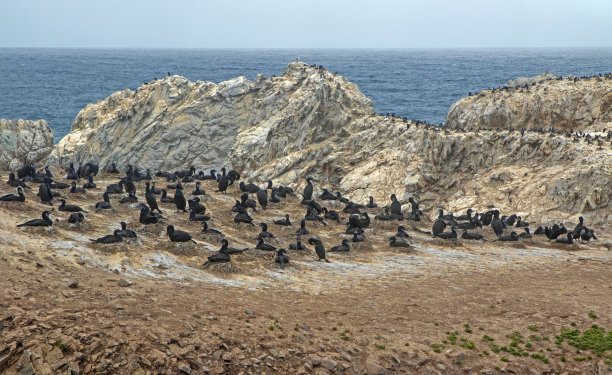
(76,218)
(331,214)
(243,216)
(497,224)
(45,194)
(371,203)
(60,185)
(110,238)
(327,196)
(146,217)
(393,242)
(448,235)
(128,184)
(224,182)
(520,223)
(179,199)
(302,230)
(197,217)
(90,183)
(274,198)
(566,240)
(401,232)
(155,190)
(131,198)
(587,234)
(105,204)
(358,236)
(525,234)
(512,237)
(126,233)
(264,246)
(176,235)
(578,228)
(282,258)
(231,250)
(235,176)
(396,206)
(69,207)
(510,220)
(207,230)
(150,197)
(264,231)
(44,222)
(115,188)
(195,206)
(308,189)
(540,230)
(415,206)
(26,170)
(247,202)
(197,190)
(19,197)
(15,183)
(165,198)
(112,168)
(342,199)
(285,221)
(248,188)
(211,176)
(262,198)
(220,257)
(297,246)
(471,236)
(319,248)
(384,217)
(76,190)
(468,216)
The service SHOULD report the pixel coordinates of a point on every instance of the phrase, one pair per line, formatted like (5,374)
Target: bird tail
(21,225)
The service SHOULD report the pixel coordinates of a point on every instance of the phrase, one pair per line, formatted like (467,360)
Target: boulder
(24,141)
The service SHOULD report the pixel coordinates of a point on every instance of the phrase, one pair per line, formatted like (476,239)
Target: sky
(305,23)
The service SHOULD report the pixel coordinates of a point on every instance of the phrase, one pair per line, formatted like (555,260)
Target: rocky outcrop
(174,123)
(24,141)
(309,122)
(543,102)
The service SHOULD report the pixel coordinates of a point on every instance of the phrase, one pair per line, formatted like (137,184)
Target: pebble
(124,283)
(73,283)
(373,368)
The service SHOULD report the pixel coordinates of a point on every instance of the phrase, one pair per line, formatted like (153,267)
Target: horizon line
(306,48)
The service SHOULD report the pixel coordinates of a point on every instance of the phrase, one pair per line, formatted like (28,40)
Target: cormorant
(371,203)
(282,258)
(76,217)
(308,189)
(344,247)
(207,230)
(285,221)
(126,233)
(44,222)
(327,196)
(264,231)
(19,197)
(179,199)
(110,238)
(69,207)
(448,235)
(471,236)
(176,235)
(197,190)
(90,184)
(131,198)
(105,204)
(302,230)
(319,248)
(165,198)
(264,246)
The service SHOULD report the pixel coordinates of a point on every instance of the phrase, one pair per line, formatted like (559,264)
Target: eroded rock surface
(542,102)
(24,141)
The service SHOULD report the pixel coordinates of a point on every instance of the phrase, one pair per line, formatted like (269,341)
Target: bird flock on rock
(252,197)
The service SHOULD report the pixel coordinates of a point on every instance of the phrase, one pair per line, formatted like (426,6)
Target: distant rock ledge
(541,102)
(24,141)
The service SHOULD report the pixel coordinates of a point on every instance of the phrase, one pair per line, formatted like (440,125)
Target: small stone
(124,283)
(440,367)
(217,370)
(73,283)
(249,312)
(396,359)
(487,371)
(374,369)
(329,364)
(184,368)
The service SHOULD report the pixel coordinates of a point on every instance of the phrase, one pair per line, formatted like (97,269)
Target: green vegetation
(540,357)
(380,347)
(592,315)
(64,347)
(196,316)
(487,338)
(271,328)
(437,347)
(504,359)
(533,327)
(467,328)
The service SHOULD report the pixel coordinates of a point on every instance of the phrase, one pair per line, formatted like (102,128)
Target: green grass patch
(64,347)
(540,357)
(380,347)
(533,327)
(197,316)
(437,347)
(487,338)
(592,315)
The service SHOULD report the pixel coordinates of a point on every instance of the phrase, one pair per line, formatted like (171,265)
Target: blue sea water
(55,84)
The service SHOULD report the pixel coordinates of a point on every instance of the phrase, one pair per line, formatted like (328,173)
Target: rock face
(309,122)
(175,123)
(24,141)
(543,102)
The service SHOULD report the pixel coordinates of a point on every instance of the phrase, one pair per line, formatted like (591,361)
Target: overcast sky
(305,23)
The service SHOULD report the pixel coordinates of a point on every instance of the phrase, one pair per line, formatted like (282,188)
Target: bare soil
(149,306)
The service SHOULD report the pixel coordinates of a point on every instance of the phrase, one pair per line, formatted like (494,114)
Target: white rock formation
(309,122)
(24,141)
(565,104)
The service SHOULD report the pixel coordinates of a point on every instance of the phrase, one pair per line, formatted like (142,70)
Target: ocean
(422,84)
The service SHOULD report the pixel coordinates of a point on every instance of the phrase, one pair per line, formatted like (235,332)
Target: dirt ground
(149,306)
